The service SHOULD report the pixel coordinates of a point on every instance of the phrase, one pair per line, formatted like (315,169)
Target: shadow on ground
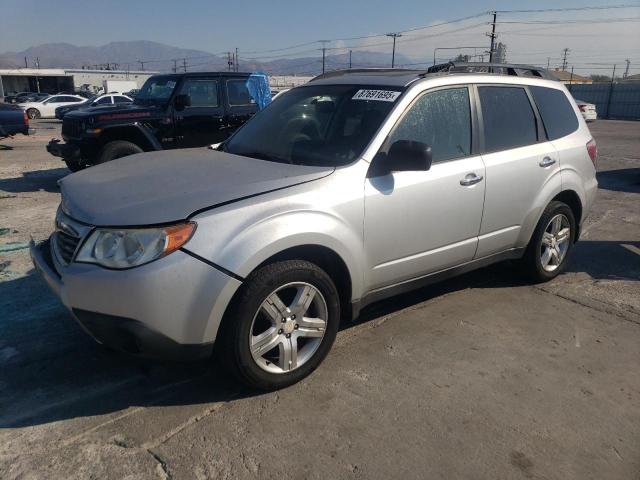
(35,181)
(5,147)
(52,371)
(623,180)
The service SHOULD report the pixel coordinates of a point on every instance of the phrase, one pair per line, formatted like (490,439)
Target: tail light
(26,118)
(593,150)
(582,107)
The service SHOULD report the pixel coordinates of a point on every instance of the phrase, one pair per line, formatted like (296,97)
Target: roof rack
(495,68)
(340,73)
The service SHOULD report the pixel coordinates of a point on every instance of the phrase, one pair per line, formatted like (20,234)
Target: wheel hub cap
(555,242)
(288,328)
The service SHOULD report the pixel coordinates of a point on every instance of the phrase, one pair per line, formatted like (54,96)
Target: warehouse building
(54,80)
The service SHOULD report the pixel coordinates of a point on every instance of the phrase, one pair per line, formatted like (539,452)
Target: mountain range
(160,57)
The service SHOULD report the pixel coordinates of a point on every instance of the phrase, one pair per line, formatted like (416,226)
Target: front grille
(66,245)
(71,128)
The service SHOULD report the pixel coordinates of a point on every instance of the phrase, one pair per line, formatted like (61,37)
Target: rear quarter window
(239,93)
(557,113)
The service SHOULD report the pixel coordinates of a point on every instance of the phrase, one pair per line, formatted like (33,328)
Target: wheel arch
(328,260)
(571,198)
(129,133)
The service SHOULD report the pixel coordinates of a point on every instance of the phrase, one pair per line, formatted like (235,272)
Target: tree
(600,78)
(461,58)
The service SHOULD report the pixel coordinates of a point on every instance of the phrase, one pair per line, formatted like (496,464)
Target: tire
(117,149)
(549,249)
(267,365)
(74,166)
(33,113)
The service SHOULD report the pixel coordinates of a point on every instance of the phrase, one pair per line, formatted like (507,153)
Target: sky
(255,27)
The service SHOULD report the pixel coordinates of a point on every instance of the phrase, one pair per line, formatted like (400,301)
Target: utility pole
(175,65)
(229,61)
(237,62)
(37,79)
(351,52)
(626,70)
(492,35)
(571,78)
(564,58)
(324,51)
(141,64)
(393,52)
(184,65)
(548,60)
(26,65)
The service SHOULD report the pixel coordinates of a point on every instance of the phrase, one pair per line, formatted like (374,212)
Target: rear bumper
(169,309)
(63,150)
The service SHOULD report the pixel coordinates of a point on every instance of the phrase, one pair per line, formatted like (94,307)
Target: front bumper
(63,150)
(170,308)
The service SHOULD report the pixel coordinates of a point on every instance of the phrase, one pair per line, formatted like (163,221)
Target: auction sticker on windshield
(378,95)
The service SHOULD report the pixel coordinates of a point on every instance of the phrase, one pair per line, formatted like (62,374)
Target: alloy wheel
(555,242)
(288,327)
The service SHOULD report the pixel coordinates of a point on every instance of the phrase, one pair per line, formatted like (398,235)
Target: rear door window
(508,118)
(104,101)
(441,119)
(557,113)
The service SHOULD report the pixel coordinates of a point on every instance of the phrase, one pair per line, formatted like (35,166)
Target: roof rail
(495,68)
(340,73)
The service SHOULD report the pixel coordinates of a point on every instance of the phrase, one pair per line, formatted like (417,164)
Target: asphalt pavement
(483,376)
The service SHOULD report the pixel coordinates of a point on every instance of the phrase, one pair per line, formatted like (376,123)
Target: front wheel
(551,243)
(118,149)
(281,326)
(33,113)
(74,166)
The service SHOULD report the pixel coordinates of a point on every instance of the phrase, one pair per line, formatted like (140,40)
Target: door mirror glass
(182,101)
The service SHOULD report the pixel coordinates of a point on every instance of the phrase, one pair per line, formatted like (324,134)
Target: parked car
(102,100)
(352,188)
(11,97)
(46,108)
(13,120)
(588,110)
(132,93)
(171,111)
(31,97)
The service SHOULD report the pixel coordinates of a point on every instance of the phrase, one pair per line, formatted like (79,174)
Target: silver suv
(350,189)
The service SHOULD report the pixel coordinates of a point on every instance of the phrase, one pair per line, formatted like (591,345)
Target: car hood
(169,186)
(115,112)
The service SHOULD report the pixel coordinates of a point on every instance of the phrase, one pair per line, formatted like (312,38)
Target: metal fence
(612,100)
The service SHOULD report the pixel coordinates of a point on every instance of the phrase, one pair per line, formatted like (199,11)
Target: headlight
(126,248)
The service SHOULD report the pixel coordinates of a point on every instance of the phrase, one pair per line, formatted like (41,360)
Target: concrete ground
(484,376)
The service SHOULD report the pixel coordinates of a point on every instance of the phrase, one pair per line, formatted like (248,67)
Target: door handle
(470,179)
(547,162)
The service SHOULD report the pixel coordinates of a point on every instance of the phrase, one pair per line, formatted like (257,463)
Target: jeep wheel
(281,326)
(33,113)
(551,243)
(74,166)
(118,149)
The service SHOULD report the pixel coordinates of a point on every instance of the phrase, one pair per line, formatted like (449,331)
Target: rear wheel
(118,149)
(33,113)
(551,243)
(281,326)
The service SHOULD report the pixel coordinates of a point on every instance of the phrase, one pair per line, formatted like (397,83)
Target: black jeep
(171,111)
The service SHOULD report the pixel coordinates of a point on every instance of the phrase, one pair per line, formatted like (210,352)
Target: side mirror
(403,156)
(182,101)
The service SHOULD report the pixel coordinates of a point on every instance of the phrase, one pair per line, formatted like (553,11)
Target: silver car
(350,189)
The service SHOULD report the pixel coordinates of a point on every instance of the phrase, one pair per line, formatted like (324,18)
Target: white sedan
(47,108)
(588,110)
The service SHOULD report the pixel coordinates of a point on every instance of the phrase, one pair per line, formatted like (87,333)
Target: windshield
(315,125)
(156,90)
